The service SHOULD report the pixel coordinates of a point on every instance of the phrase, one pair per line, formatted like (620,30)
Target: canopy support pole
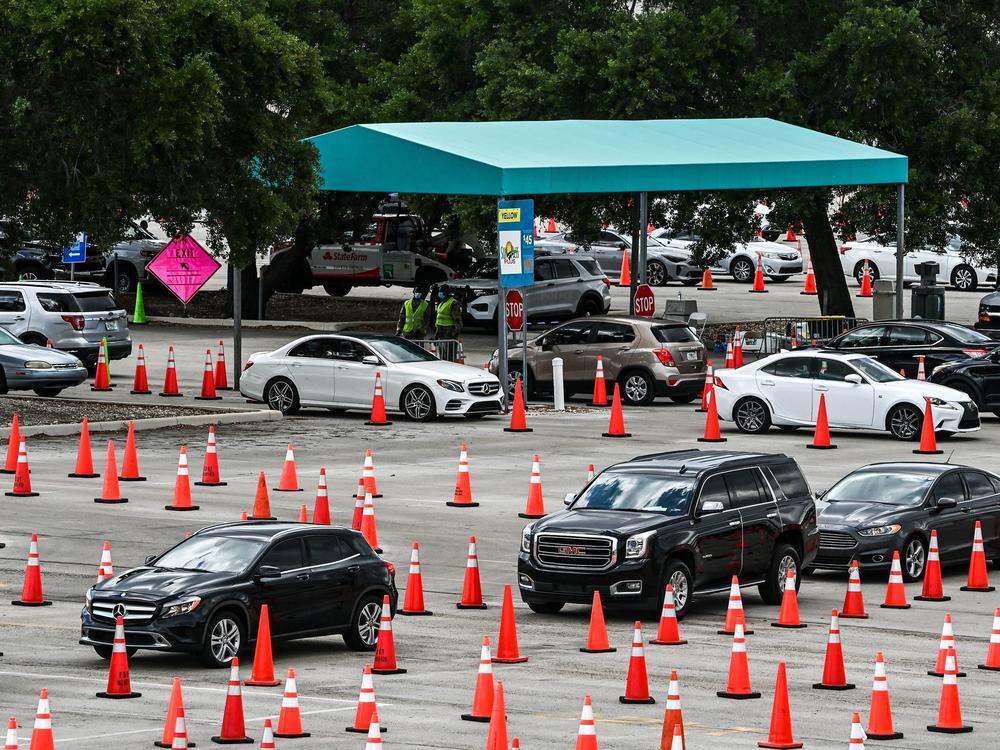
(502,329)
(900,247)
(237,328)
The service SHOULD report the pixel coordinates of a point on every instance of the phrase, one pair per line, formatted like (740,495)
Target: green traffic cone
(107,359)
(139,316)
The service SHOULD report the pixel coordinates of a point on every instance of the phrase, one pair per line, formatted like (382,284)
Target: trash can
(884,299)
(927,298)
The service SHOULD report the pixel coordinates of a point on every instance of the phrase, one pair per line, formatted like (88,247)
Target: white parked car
(861,393)
(779,261)
(880,253)
(337,371)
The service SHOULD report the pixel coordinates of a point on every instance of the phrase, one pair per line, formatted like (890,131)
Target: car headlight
(892,528)
(37,364)
(526,538)
(181,607)
(481,292)
(452,385)
(79,363)
(938,401)
(89,596)
(769,254)
(638,545)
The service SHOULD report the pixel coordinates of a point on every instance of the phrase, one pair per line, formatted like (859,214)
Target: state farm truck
(399,253)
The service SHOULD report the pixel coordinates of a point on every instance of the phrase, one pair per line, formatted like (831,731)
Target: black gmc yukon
(690,518)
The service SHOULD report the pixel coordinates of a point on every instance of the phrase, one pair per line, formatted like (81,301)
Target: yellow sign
(509,215)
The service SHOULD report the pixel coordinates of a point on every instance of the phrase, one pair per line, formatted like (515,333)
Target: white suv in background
(779,261)
(880,253)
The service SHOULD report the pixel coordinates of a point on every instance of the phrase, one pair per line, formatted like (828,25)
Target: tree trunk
(834,296)
(248,290)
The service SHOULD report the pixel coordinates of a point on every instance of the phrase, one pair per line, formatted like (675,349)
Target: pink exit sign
(183,267)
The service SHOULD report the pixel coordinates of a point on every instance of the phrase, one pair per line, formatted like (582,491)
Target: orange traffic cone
(175,710)
(834,677)
(790,234)
(208,380)
(673,717)
(858,735)
(597,634)
(758,279)
(182,485)
(321,508)
(637,683)
(243,516)
(221,376)
(730,355)
(780,734)
(496,737)
(413,603)
(140,383)
(482,697)
(708,388)
(13,443)
(11,741)
(290,717)
(111,493)
(668,633)
(625,277)
(586,736)
(22,475)
(738,683)
(979,579)
(378,417)
(31,592)
(210,474)
(535,506)
(359,506)
(463,487)
(518,423)
(921,368)
(713,434)
(472,591)
(289,479)
(550,227)
(788,616)
(933,590)
(119,682)
(707,285)
(810,286)
(84,456)
(368,475)
(928,440)
(267,738)
(374,741)
(949,719)
(262,674)
(854,603)
(738,348)
(993,652)
(880,713)
(102,379)
(895,592)
(734,612)
(261,502)
(385,649)
(821,437)
(507,650)
(41,733)
(616,427)
(600,397)
(130,461)
(303,513)
(233,729)
(947,644)
(369,529)
(170,378)
(866,282)
(366,704)
(106,569)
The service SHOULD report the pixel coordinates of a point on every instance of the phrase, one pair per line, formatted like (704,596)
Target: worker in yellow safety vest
(448,314)
(412,323)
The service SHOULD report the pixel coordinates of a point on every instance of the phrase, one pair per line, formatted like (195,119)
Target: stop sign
(514,310)
(645,302)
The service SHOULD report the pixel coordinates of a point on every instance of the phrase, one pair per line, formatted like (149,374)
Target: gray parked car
(662,260)
(36,368)
(132,254)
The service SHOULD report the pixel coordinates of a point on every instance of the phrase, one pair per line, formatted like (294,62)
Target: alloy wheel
(963,279)
(656,274)
(751,416)
(742,270)
(905,423)
(679,583)
(784,565)
(915,558)
(280,396)
(368,622)
(225,640)
(636,388)
(417,403)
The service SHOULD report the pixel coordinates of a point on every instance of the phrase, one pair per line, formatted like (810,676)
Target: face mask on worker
(417,296)
(440,295)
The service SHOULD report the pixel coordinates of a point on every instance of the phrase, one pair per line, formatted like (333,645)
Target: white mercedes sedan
(337,372)
(861,394)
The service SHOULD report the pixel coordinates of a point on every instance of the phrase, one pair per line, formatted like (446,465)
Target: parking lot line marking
(61,740)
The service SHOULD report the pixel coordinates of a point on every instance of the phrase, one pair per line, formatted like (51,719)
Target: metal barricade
(779,333)
(450,350)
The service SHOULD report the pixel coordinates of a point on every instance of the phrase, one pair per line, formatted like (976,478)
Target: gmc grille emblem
(570,550)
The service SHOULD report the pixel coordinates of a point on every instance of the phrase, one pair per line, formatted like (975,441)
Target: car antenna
(948,460)
(682,469)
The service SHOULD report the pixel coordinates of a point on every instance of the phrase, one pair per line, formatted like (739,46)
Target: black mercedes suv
(690,518)
(204,595)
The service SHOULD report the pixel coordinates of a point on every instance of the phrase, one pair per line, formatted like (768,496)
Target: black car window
(11,302)
(715,490)
(57,303)
(789,478)
(610,239)
(790,367)
(909,336)
(833,369)
(861,338)
(284,556)
(351,350)
(746,488)
(979,485)
(315,349)
(674,334)
(543,270)
(950,485)
(590,266)
(96,301)
(572,333)
(614,333)
(565,269)
(326,548)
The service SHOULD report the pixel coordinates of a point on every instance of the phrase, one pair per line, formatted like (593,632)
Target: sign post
(514,314)
(645,302)
(75,253)
(516,267)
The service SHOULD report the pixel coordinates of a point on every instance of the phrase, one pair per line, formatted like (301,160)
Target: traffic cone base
(471,606)
(603,650)
(791,627)
(895,606)
(737,696)
(473,717)
(963,588)
(35,494)
(922,598)
(74,475)
(822,686)
(623,699)
(20,603)
(212,484)
(453,504)
(120,695)
(112,501)
(667,643)
(224,741)
(182,507)
(945,730)
(891,736)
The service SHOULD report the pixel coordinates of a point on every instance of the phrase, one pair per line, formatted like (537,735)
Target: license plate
(691,356)
(111,325)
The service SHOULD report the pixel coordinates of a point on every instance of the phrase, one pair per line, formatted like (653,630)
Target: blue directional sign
(516,250)
(76,252)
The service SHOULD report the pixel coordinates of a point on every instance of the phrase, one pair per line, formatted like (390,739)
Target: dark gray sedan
(29,367)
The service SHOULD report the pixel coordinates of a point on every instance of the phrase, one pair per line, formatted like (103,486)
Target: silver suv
(75,316)
(132,254)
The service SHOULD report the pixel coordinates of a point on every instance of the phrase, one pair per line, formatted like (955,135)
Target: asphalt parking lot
(415,466)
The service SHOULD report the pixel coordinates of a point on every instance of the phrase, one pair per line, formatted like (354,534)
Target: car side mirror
(371,359)
(711,506)
(149,559)
(946,502)
(821,493)
(267,571)
(854,378)
(622,246)
(570,497)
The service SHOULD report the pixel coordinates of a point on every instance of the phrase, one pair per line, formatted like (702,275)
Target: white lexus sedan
(861,394)
(337,371)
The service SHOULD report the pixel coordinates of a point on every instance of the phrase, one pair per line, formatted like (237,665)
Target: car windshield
(965,335)
(875,370)
(882,488)
(6,339)
(400,350)
(638,492)
(212,554)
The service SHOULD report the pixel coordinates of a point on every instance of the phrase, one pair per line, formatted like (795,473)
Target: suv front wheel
(678,575)
(224,638)
(785,557)
(363,633)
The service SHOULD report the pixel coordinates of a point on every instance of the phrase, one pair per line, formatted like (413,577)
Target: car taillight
(390,567)
(719,384)
(976,352)
(665,357)
(844,249)
(76,321)
(247,365)
(607,281)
